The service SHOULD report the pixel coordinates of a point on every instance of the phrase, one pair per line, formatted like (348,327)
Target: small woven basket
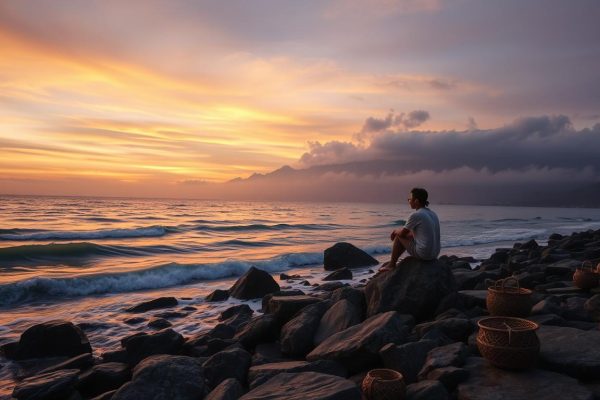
(509,301)
(383,384)
(508,342)
(585,277)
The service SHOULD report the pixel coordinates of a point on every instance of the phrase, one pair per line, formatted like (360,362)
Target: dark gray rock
(331,286)
(115,356)
(285,308)
(227,364)
(165,377)
(80,362)
(408,358)
(261,373)
(468,279)
(280,293)
(159,323)
(354,295)
(105,396)
(236,316)
(102,378)
(415,287)
(303,386)
(339,317)
(450,377)
(48,386)
(570,351)
(162,302)
(451,355)
(229,389)
(52,339)
(262,329)
(218,295)
(134,320)
(489,383)
(457,329)
(144,345)
(267,353)
(574,309)
(592,306)
(346,255)
(339,275)
(426,390)
(297,334)
(254,284)
(357,347)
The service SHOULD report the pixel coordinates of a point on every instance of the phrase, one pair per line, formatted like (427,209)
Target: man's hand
(393,234)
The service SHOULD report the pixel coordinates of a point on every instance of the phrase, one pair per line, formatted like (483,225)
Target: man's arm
(402,232)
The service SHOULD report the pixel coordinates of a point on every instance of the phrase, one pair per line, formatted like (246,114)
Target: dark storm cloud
(534,142)
(402,120)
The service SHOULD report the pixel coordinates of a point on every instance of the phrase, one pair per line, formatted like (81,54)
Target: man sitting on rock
(420,236)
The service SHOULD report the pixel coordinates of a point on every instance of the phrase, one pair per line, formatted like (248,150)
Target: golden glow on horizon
(71,115)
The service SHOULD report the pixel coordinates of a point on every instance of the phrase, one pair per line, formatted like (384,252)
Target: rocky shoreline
(419,319)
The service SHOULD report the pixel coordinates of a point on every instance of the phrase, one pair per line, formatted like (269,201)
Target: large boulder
(52,339)
(346,255)
(233,363)
(426,390)
(489,383)
(298,333)
(165,377)
(262,329)
(414,287)
(259,374)
(357,348)
(103,378)
(457,329)
(51,385)
(229,389)
(161,302)
(451,355)
(408,358)
(303,386)
(341,316)
(236,316)
(285,307)
(254,284)
(143,345)
(570,351)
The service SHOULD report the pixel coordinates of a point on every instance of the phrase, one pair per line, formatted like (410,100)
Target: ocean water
(86,259)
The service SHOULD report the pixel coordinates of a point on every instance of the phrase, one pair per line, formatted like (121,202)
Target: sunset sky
(160,98)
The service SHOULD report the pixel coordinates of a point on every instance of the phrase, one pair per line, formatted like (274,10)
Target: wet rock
(159,323)
(165,377)
(297,334)
(533,384)
(354,295)
(229,389)
(261,373)
(52,339)
(262,329)
(408,358)
(218,295)
(303,386)
(266,353)
(79,362)
(570,351)
(346,255)
(468,280)
(141,346)
(254,284)
(339,275)
(236,316)
(227,364)
(574,309)
(451,355)
(331,286)
(550,305)
(339,317)
(161,302)
(358,347)
(416,287)
(280,293)
(285,307)
(102,378)
(115,356)
(426,390)
(134,320)
(51,385)
(171,315)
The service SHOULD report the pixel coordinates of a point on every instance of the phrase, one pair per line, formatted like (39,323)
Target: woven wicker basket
(508,342)
(383,384)
(508,301)
(585,277)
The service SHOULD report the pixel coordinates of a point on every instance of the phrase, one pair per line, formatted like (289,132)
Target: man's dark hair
(421,195)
